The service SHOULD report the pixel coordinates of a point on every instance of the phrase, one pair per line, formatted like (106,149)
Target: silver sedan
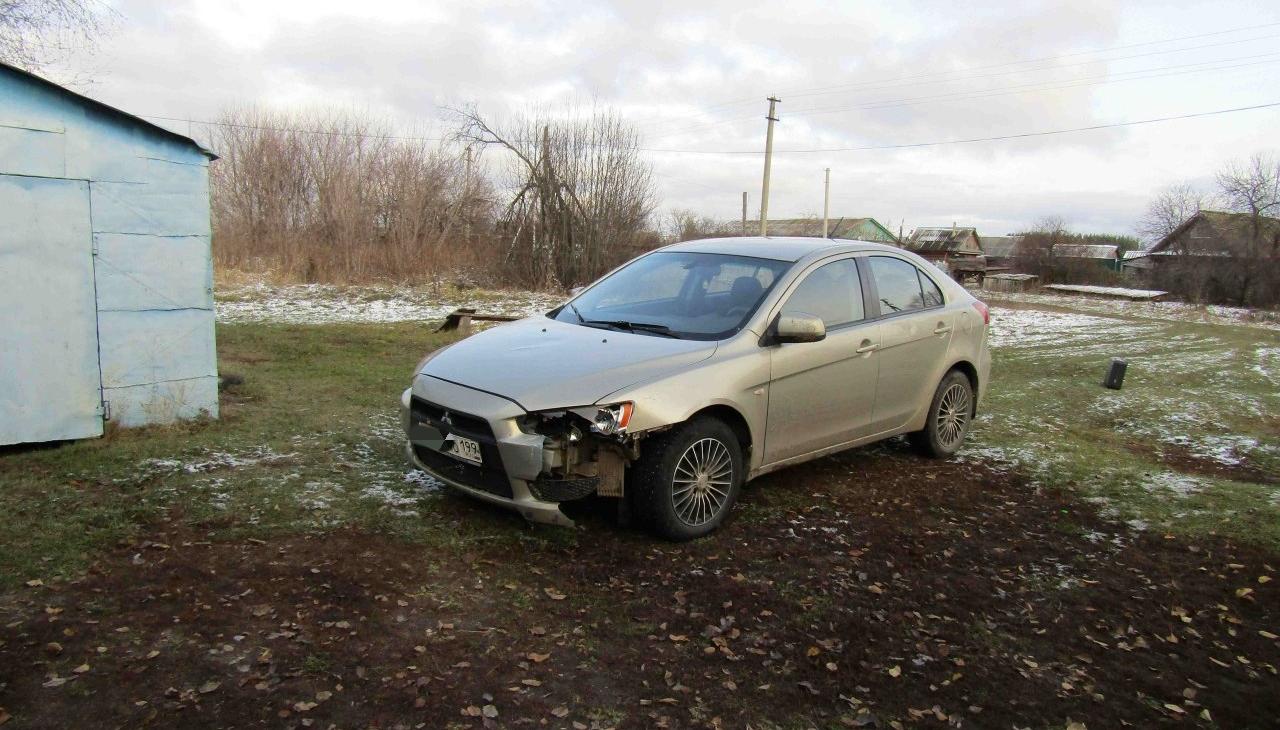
(685,372)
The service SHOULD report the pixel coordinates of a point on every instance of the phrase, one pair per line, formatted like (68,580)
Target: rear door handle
(867,346)
(941,329)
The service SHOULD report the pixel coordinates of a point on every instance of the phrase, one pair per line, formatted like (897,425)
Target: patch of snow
(212,461)
(1180,485)
(1107,291)
(1162,311)
(324,303)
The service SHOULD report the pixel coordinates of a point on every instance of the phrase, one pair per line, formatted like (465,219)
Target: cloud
(693,76)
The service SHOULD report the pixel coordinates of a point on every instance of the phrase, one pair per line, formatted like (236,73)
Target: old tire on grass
(687,479)
(950,412)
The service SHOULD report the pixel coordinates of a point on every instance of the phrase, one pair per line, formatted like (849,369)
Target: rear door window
(898,285)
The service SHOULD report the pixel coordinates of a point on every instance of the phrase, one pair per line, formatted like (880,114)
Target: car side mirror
(799,327)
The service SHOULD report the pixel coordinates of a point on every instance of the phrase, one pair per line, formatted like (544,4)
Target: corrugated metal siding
(150,228)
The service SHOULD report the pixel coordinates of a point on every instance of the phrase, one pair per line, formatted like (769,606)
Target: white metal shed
(106,279)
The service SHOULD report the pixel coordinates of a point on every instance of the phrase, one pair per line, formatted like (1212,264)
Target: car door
(823,393)
(915,334)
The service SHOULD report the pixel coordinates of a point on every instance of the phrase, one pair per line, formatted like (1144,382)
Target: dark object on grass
(461,320)
(1115,374)
(230,380)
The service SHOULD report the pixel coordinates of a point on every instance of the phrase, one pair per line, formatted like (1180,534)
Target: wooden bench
(460,320)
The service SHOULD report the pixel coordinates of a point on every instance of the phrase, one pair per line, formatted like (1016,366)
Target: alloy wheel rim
(953,415)
(703,477)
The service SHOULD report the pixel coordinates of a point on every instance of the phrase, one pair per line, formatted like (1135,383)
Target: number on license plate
(464,448)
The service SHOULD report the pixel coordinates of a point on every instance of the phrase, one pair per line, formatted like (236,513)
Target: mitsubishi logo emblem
(445,419)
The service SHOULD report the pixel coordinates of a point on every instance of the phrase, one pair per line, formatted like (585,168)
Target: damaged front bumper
(518,468)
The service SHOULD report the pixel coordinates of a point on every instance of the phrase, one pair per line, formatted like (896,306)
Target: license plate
(464,448)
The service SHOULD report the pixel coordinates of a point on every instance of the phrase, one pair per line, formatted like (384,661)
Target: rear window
(901,286)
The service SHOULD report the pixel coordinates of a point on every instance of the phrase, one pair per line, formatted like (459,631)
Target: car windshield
(696,296)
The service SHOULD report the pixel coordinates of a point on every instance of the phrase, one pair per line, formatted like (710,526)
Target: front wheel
(949,414)
(688,478)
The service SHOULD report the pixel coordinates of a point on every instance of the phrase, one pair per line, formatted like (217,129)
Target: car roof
(781,248)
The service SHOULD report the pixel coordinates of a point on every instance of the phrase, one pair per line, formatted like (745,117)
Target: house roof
(107,108)
(1001,246)
(1222,234)
(1085,251)
(836,227)
(948,238)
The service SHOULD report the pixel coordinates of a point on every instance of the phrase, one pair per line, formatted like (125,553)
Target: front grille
(490,477)
(484,478)
(563,490)
(463,423)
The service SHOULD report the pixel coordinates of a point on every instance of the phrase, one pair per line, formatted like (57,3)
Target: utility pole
(826,202)
(768,164)
(744,212)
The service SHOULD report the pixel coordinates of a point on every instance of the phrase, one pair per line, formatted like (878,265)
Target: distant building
(1103,254)
(1001,251)
(106,279)
(1210,233)
(957,250)
(854,229)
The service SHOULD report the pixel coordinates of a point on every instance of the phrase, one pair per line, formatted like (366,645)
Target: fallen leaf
(553,594)
(303,706)
(323,695)
(831,666)
(895,671)
(209,686)
(1264,579)
(813,651)
(531,683)
(1174,708)
(1267,634)
(1242,592)
(81,669)
(56,682)
(53,647)
(35,583)
(561,711)
(538,631)
(678,637)
(537,658)
(489,711)
(4,716)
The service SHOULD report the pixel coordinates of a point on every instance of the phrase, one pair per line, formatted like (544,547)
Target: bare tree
(1253,188)
(581,192)
(334,197)
(37,33)
(1168,210)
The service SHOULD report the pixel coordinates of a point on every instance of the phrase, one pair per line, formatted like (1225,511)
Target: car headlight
(610,420)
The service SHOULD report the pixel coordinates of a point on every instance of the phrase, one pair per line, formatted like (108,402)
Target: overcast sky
(694,76)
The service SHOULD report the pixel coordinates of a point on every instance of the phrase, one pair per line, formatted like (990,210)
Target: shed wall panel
(149,208)
(140,348)
(140,272)
(49,382)
(173,400)
(32,152)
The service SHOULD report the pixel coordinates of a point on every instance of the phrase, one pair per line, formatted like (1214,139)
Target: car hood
(541,363)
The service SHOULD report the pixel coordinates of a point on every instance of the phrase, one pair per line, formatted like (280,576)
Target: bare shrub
(333,197)
(581,193)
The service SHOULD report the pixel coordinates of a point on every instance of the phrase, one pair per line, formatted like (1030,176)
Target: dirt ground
(871,589)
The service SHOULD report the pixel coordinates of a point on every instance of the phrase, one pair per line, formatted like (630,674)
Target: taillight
(984,310)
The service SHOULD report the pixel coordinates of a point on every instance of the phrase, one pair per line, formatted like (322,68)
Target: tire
(681,484)
(950,412)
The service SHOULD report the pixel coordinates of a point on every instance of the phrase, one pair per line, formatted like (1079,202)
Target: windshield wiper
(577,313)
(622,324)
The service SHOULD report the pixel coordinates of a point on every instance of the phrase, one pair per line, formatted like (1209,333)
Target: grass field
(310,441)
(1096,556)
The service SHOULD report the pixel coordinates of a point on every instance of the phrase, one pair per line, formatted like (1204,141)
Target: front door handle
(867,346)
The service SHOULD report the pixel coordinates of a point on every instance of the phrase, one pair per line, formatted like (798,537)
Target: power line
(792,93)
(320,132)
(802,111)
(1021,135)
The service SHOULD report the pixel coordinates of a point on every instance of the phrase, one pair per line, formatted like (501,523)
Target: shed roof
(1085,251)
(947,238)
(1001,246)
(119,114)
(843,227)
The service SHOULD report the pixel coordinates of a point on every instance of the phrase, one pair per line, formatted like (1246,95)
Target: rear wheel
(949,414)
(687,479)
